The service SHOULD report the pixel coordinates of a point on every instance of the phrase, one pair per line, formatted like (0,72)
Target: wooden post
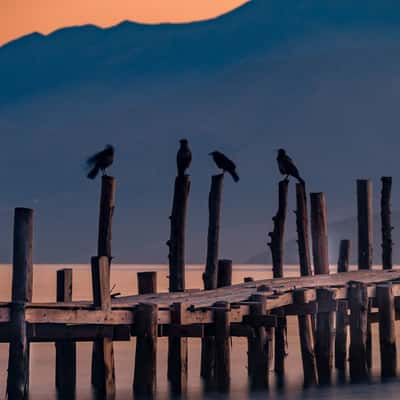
(277,235)
(147,282)
(319,233)
(103,350)
(222,346)
(302,230)
(145,375)
(103,374)
(259,347)
(178,354)
(365,217)
(65,350)
(176,242)
(210,276)
(306,332)
(247,279)
(344,255)
(224,273)
(325,333)
(358,304)
(386,222)
(387,330)
(18,361)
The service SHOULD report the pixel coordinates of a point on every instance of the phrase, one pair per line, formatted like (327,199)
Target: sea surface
(42,371)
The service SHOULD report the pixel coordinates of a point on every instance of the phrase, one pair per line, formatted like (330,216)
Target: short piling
(364,217)
(65,350)
(224,273)
(344,255)
(386,222)
(18,360)
(147,282)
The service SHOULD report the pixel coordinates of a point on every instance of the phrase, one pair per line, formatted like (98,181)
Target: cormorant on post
(224,163)
(183,157)
(287,167)
(100,161)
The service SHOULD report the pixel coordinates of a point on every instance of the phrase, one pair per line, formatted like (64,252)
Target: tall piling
(22,278)
(386,222)
(364,218)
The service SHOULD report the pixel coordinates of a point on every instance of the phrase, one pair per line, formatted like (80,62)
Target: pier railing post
(18,362)
(65,350)
(365,217)
(386,222)
(358,304)
(145,374)
(387,330)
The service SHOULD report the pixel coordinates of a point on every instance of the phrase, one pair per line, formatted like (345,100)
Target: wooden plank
(18,361)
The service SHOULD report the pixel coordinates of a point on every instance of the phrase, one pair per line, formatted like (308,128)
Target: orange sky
(19,17)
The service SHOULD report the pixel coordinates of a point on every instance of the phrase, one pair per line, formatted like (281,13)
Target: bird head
(281,152)
(213,153)
(110,147)
(183,141)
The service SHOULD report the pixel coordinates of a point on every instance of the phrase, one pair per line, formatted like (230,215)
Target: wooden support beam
(145,374)
(147,282)
(103,372)
(306,341)
(324,334)
(386,222)
(18,361)
(387,330)
(224,273)
(365,218)
(65,351)
(319,233)
(358,304)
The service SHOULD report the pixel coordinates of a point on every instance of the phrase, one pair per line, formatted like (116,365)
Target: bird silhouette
(224,163)
(100,161)
(183,157)
(287,167)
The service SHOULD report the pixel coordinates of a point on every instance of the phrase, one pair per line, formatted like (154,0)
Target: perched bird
(287,167)
(183,157)
(100,161)
(224,163)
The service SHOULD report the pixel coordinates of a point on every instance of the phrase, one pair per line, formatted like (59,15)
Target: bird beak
(210,154)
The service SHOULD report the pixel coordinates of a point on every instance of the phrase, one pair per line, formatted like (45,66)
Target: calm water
(124,277)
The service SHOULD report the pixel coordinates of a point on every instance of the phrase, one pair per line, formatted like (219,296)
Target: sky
(21,17)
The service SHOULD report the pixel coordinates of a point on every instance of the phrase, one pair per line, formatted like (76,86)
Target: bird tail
(93,172)
(235,176)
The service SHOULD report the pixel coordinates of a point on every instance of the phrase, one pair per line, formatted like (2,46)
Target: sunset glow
(20,17)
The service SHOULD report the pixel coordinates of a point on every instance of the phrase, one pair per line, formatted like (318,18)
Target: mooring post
(145,374)
(210,276)
(103,349)
(22,277)
(306,332)
(276,245)
(302,230)
(224,273)
(222,346)
(259,350)
(147,282)
(387,329)
(319,233)
(65,350)
(358,304)
(324,333)
(386,222)
(365,217)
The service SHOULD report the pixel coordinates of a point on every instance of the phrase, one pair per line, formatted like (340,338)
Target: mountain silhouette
(319,79)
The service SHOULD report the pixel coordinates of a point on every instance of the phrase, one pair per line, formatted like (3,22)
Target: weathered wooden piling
(386,222)
(319,233)
(302,230)
(224,273)
(145,374)
(344,255)
(324,334)
(387,330)
(358,320)
(103,351)
(210,277)
(259,351)
(365,218)
(18,360)
(222,346)
(65,350)
(147,282)
(306,333)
